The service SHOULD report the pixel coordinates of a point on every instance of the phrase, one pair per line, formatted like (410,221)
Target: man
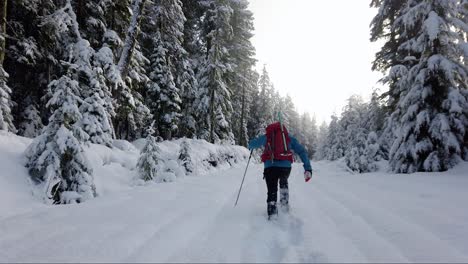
(277,158)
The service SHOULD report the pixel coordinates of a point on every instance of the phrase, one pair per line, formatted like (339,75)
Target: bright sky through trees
(316,51)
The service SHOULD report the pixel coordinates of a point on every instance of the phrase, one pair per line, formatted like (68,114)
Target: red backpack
(276,143)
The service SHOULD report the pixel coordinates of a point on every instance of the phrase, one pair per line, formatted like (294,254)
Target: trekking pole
(240,189)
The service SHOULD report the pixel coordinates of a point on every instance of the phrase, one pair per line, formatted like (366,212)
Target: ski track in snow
(337,217)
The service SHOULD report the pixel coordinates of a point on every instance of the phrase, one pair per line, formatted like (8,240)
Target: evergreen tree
(334,141)
(170,69)
(241,78)
(32,57)
(185,157)
(308,133)
(96,120)
(167,105)
(291,118)
(150,158)
(322,148)
(57,152)
(6,118)
(265,108)
(213,104)
(33,126)
(130,79)
(431,132)
(91,17)
(391,56)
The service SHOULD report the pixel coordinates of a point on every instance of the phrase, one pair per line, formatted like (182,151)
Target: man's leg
(284,190)
(271,179)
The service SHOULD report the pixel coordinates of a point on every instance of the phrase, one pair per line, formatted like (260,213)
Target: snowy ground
(337,217)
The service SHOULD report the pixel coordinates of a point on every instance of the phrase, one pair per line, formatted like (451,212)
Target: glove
(307,175)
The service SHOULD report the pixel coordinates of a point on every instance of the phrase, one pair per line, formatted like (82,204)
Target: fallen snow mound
(113,168)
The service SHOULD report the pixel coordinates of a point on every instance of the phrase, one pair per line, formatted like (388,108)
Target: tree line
(74,72)
(421,122)
(186,68)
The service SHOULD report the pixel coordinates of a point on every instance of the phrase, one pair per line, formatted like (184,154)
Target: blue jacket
(293,145)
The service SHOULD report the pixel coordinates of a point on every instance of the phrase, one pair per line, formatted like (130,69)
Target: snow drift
(113,168)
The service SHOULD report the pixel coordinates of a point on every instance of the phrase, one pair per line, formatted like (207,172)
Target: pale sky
(317,51)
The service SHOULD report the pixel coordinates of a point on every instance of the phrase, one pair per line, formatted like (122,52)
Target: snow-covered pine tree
(187,78)
(390,55)
(213,104)
(96,108)
(33,126)
(185,158)
(58,152)
(241,78)
(32,57)
(96,121)
(170,68)
(334,141)
(6,118)
(265,105)
(308,133)
(132,116)
(374,120)
(148,164)
(432,115)
(363,153)
(322,148)
(355,157)
(91,18)
(290,116)
(373,150)
(163,95)
(188,91)
(253,128)
(351,122)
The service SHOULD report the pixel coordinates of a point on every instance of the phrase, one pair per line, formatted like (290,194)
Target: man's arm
(257,142)
(300,150)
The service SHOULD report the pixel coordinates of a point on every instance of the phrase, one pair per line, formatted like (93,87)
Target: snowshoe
(284,207)
(272,210)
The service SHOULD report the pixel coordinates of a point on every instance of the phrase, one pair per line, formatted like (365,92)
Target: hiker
(277,158)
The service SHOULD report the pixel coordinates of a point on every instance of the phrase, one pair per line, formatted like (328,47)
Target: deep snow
(336,217)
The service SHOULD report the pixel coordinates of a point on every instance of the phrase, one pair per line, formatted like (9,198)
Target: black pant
(272,175)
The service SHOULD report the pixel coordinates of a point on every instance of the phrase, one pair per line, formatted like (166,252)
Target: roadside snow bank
(113,169)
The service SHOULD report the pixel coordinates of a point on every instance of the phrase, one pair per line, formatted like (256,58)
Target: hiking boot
(284,197)
(271,208)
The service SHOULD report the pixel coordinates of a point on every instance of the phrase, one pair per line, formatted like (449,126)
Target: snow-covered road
(337,217)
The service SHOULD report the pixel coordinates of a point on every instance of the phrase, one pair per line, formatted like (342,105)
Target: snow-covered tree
(242,78)
(91,17)
(362,154)
(213,104)
(185,157)
(149,162)
(6,118)
(31,56)
(96,120)
(321,145)
(334,140)
(32,123)
(58,153)
(432,115)
(163,96)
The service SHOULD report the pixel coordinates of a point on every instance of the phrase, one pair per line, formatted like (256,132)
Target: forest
(99,70)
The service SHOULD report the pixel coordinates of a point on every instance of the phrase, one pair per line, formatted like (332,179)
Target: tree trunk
(212,115)
(130,39)
(3,20)
(241,126)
